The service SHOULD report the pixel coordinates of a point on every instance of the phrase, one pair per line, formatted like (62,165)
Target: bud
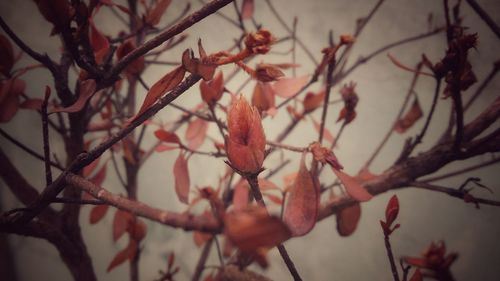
(212,91)
(259,42)
(246,142)
(346,39)
(267,72)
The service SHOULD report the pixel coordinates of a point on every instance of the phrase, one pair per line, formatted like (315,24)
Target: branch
(485,17)
(185,221)
(390,256)
(453,192)
(187,22)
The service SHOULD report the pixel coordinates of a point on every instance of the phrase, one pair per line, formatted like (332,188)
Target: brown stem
(485,17)
(202,260)
(390,256)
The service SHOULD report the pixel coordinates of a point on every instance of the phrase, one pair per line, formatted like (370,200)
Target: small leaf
(201,238)
(253,228)
(163,147)
(136,66)
(353,187)
(154,15)
(196,133)
(126,254)
(181,174)
(87,90)
(98,212)
(165,84)
(121,221)
(247,9)
(410,118)
(34,104)
(313,101)
(301,211)
(98,42)
(167,136)
(137,229)
(287,87)
(197,67)
(347,219)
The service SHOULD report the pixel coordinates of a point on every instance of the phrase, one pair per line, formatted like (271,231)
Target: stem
(388,248)
(46,144)
(485,17)
(202,260)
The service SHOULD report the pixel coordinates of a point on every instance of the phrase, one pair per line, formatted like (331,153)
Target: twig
(287,147)
(485,17)
(45,136)
(28,150)
(390,256)
(398,117)
(491,75)
(254,186)
(202,260)
(461,171)
(184,24)
(77,201)
(329,81)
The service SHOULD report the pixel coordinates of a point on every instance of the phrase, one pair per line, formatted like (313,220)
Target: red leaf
(10,91)
(241,195)
(34,104)
(167,136)
(347,219)
(163,147)
(137,229)
(392,210)
(6,56)
(252,228)
(181,174)
(410,118)
(313,101)
(55,11)
(263,97)
(201,238)
(211,91)
(417,276)
(121,221)
(99,177)
(353,187)
(417,262)
(97,213)
(165,84)
(136,66)
(99,43)
(196,133)
(196,66)
(126,254)
(288,87)
(247,9)
(154,15)
(301,211)
(87,90)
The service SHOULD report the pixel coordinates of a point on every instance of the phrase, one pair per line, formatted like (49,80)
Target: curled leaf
(353,187)
(86,91)
(301,211)
(165,84)
(347,219)
(410,118)
(181,174)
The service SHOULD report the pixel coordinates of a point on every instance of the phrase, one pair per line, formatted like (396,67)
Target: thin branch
(485,17)
(184,24)
(390,256)
(202,260)
(461,171)
(46,143)
(489,78)
(287,147)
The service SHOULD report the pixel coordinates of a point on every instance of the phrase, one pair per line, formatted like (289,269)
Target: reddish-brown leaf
(347,219)
(263,97)
(211,91)
(165,84)
(87,90)
(154,15)
(410,118)
(247,9)
(6,56)
(167,136)
(201,238)
(33,104)
(181,174)
(126,254)
(353,187)
(392,210)
(301,211)
(417,276)
(164,147)
(121,221)
(55,11)
(137,229)
(196,66)
(10,91)
(241,195)
(313,101)
(252,228)
(196,133)
(288,87)
(135,67)
(97,213)
(99,43)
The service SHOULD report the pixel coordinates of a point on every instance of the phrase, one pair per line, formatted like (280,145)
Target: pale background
(322,254)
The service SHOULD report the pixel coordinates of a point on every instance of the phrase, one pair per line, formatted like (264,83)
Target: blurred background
(425,216)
